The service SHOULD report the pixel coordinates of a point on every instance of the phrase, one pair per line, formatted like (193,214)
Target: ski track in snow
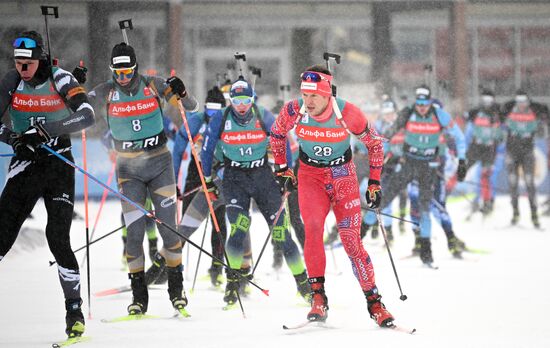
(494,300)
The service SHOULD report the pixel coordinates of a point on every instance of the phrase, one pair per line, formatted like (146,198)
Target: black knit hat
(123,56)
(29,49)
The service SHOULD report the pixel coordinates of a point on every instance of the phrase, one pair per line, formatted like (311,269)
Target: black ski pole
(92,242)
(200,254)
(277,216)
(381,225)
(391,216)
(49,11)
(147,214)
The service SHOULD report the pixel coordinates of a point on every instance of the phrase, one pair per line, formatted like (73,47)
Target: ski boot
(244,288)
(175,289)
(154,272)
(515,217)
(140,297)
(215,272)
(402,226)
(162,278)
(416,248)
(377,310)
(535,219)
(389,234)
(456,246)
(319,301)
(74,318)
(487,207)
(303,286)
(374,231)
(232,287)
(277,258)
(426,251)
(364,229)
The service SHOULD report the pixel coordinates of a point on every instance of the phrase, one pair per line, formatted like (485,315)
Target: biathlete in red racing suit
(326,178)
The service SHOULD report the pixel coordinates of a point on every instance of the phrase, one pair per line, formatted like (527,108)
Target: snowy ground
(495,300)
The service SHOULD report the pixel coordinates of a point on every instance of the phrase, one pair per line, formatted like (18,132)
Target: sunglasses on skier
(120,73)
(312,76)
(244,100)
(29,43)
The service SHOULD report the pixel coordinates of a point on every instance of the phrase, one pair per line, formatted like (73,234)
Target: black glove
(373,194)
(286,179)
(79,74)
(177,86)
(22,150)
(461,171)
(36,135)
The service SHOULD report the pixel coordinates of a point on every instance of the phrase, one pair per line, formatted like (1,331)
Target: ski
(122,289)
(181,313)
(430,265)
(307,323)
(178,314)
(477,251)
(70,341)
(230,306)
(129,317)
(398,328)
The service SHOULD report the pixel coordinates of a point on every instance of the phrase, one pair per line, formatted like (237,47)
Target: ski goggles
(244,100)
(29,43)
(313,76)
(120,73)
(423,102)
(315,82)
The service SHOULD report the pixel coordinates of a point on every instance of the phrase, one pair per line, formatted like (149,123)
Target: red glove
(286,179)
(374,194)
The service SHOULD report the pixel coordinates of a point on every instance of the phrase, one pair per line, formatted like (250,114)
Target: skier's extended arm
(181,140)
(211,137)
(7,85)
(288,117)
(399,123)
(172,88)
(359,125)
(76,99)
(454,131)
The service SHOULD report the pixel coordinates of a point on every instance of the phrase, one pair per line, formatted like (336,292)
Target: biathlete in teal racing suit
(144,165)
(242,130)
(423,125)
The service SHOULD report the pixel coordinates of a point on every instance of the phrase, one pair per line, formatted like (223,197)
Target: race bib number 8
(136,125)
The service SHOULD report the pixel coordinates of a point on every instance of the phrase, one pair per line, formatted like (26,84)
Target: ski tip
(285,327)
(266,292)
(412,331)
